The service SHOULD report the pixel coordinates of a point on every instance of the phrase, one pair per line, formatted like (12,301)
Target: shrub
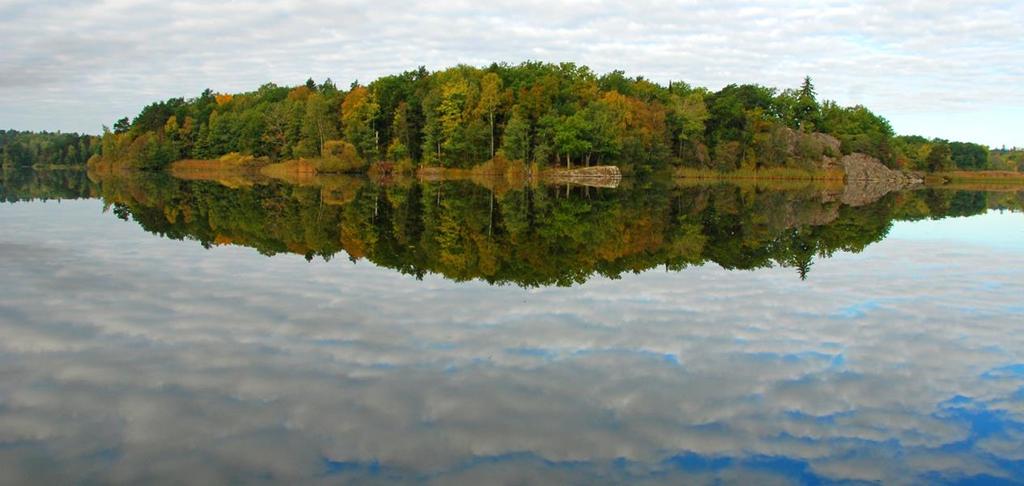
(340,156)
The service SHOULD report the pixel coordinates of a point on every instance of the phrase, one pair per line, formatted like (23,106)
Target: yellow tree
(490,99)
(358,111)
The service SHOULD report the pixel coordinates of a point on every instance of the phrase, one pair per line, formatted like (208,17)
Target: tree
(490,99)
(173,133)
(515,143)
(122,125)
(398,149)
(570,138)
(940,158)
(277,121)
(605,125)
(401,126)
(969,156)
(686,117)
(340,156)
(807,109)
(318,124)
(358,112)
(807,89)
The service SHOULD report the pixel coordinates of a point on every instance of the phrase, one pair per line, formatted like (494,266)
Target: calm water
(458,333)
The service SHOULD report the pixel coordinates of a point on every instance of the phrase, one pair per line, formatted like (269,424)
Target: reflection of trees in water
(24,184)
(530,236)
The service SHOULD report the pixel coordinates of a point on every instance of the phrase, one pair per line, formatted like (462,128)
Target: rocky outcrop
(861,167)
(867,179)
(831,144)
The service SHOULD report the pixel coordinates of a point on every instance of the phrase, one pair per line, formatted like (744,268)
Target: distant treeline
(537,113)
(534,112)
(1007,159)
(26,149)
(937,155)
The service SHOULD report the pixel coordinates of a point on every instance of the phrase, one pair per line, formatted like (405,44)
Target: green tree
(318,124)
(515,143)
(122,125)
(940,158)
(807,109)
(686,117)
(358,112)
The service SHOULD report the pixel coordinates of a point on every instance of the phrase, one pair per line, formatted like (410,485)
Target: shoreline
(966,180)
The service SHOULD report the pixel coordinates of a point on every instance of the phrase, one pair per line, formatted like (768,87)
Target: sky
(949,69)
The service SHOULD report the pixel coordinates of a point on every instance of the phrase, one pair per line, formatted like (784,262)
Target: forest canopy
(538,113)
(27,149)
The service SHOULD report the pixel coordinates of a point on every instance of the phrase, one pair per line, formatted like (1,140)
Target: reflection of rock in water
(867,180)
(810,213)
(607,176)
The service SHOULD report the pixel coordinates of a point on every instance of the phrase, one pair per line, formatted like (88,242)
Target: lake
(333,330)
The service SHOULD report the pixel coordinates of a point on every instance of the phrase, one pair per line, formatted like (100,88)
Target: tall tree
(515,142)
(490,99)
(940,158)
(807,109)
(358,112)
(318,124)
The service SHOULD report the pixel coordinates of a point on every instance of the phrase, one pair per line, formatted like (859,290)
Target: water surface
(679,334)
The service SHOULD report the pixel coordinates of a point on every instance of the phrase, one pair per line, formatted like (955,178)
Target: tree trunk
(492,134)
(490,223)
(320,133)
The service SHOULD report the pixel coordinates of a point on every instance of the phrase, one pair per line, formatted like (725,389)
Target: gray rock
(867,179)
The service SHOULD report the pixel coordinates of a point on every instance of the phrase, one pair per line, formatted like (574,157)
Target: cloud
(127,358)
(76,65)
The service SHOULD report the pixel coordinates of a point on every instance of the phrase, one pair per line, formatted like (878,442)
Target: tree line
(27,149)
(538,113)
(939,155)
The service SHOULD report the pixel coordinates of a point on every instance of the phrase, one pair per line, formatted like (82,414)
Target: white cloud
(172,359)
(76,65)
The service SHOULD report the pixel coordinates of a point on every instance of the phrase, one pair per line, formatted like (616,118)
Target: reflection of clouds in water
(130,357)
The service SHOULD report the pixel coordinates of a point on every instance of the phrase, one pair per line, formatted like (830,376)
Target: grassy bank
(501,174)
(777,173)
(992,181)
(982,176)
(778,178)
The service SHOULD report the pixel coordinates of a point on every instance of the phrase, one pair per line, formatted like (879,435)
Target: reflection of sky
(128,357)
(1003,229)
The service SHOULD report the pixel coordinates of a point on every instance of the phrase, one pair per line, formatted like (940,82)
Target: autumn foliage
(538,113)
